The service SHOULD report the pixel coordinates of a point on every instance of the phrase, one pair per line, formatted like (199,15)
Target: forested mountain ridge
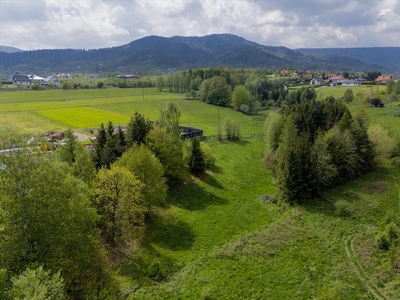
(384,56)
(9,49)
(177,52)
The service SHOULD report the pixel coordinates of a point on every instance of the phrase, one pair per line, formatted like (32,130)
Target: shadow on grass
(215,169)
(210,180)
(173,234)
(193,197)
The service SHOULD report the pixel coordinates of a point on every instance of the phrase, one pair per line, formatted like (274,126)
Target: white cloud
(36,24)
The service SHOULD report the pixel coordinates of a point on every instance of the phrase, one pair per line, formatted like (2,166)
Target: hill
(386,57)
(9,49)
(177,52)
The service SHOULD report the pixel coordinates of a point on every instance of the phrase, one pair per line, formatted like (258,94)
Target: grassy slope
(218,239)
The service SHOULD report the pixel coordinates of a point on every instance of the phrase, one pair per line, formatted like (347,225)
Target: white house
(37,79)
(316,81)
(351,83)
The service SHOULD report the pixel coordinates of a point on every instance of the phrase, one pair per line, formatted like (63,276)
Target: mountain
(9,49)
(178,52)
(386,57)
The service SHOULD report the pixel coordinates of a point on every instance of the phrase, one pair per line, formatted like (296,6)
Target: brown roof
(383,78)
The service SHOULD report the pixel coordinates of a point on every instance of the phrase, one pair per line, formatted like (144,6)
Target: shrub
(343,209)
(232,130)
(396,162)
(387,237)
(376,102)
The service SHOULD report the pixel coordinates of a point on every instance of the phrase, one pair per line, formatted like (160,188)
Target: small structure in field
(188,132)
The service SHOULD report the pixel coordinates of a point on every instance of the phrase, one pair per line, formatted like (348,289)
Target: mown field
(218,238)
(35,111)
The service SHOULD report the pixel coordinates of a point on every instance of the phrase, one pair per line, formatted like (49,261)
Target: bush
(343,209)
(396,162)
(387,237)
(232,130)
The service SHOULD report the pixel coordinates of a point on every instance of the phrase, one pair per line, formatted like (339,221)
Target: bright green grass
(83,117)
(88,108)
(358,91)
(193,113)
(27,121)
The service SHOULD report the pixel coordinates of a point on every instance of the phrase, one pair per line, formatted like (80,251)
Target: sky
(93,24)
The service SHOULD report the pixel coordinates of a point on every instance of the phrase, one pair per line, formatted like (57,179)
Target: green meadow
(219,237)
(88,108)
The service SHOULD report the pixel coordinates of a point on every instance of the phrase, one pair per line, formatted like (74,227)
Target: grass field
(217,238)
(78,109)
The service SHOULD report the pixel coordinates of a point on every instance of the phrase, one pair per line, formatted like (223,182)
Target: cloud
(38,24)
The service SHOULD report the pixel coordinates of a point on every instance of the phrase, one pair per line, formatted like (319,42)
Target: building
(128,76)
(383,79)
(337,79)
(22,80)
(51,80)
(351,83)
(317,81)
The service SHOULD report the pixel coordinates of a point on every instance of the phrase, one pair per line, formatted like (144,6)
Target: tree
(216,91)
(390,86)
(160,83)
(168,150)
(348,96)
(197,165)
(382,142)
(142,162)
(240,96)
(397,87)
(68,151)
(100,84)
(99,145)
(169,119)
(38,284)
(138,127)
(376,102)
(294,171)
(75,155)
(117,197)
(46,219)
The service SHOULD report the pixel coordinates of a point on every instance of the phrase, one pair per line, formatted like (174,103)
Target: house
(37,79)
(22,80)
(383,79)
(337,79)
(351,83)
(316,81)
(128,76)
(51,80)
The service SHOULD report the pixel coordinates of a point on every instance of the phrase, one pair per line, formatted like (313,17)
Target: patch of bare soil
(81,137)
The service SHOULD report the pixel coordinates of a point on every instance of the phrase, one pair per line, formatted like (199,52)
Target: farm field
(79,109)
(218,236)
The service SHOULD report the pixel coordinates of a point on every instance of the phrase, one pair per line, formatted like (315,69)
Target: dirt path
(372,288)
(81,137)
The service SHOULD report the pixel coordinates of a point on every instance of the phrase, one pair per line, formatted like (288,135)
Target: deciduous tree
(118,199)
(240,96)
(142,162)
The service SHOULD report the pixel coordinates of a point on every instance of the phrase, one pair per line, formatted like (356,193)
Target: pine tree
(99,144)
(197,165)
(294,170)
(137,130)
